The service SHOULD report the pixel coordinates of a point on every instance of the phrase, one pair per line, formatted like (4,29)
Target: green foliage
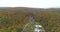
(50,20)
(14,20)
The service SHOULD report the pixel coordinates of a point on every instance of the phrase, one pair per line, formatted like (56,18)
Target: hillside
(14,19)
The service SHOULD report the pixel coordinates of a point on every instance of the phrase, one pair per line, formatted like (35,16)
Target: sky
(30,3)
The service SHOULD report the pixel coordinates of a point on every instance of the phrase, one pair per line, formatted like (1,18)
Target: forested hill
(14,19)
(21,8)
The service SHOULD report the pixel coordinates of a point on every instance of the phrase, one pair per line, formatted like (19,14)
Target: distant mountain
(27,9)
(22,8)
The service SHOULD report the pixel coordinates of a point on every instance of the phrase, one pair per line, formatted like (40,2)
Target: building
(39,28)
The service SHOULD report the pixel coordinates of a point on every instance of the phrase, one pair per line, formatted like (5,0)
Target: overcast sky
(30,3)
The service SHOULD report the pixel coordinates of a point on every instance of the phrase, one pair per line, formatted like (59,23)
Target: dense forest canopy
(14,19)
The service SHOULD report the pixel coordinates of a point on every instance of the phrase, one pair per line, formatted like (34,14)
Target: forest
(14,19)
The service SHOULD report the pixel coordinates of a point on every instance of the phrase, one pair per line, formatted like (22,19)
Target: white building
(37,28)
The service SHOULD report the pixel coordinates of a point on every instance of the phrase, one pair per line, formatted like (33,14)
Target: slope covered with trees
(14,19)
